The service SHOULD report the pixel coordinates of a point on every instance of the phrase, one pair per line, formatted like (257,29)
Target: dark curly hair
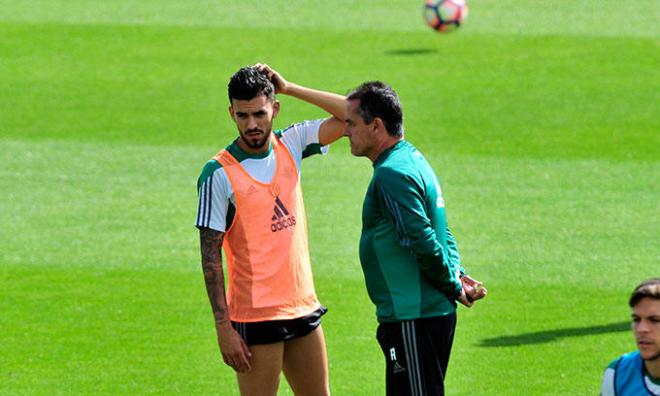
(248,83)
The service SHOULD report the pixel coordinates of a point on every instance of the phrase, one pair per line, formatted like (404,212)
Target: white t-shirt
(216,195)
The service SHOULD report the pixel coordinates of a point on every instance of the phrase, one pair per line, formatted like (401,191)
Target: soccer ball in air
(445,15)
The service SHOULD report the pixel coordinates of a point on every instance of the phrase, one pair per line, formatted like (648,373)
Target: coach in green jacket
(409,257)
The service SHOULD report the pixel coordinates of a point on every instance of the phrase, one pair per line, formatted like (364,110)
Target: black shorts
(271,331)
(416,354)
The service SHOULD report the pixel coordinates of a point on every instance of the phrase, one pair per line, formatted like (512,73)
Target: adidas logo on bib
(282,218)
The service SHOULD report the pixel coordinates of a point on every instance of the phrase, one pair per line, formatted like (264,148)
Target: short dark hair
(649,288)
(248,83)
(378,99)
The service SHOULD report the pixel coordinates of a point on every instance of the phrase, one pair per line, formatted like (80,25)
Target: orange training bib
(269,271)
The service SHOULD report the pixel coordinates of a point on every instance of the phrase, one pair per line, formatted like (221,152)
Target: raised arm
(235,352)
(333,127)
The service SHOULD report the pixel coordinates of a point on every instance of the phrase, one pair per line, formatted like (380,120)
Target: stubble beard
(255,144)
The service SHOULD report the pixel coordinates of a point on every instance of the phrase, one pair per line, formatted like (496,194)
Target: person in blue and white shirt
(638,373)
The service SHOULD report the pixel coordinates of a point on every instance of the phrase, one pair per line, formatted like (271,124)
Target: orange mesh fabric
(269,272)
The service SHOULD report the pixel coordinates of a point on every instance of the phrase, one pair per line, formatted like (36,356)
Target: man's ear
(276,108)
(231,111)
(379,125)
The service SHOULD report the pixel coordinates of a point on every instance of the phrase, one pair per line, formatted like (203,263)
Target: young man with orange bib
(251,205)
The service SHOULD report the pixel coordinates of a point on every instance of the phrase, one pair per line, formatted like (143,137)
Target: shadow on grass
(541,337)
(411,51)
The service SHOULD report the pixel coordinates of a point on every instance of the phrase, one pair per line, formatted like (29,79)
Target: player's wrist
(288,88)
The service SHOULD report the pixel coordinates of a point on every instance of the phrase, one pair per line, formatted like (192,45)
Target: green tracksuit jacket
(408,255)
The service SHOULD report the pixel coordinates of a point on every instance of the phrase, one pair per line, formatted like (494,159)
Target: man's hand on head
(281,85)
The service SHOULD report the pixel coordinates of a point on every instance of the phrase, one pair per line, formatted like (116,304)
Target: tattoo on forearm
(211,245)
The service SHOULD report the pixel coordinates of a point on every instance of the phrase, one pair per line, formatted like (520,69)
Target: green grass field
(540,117)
